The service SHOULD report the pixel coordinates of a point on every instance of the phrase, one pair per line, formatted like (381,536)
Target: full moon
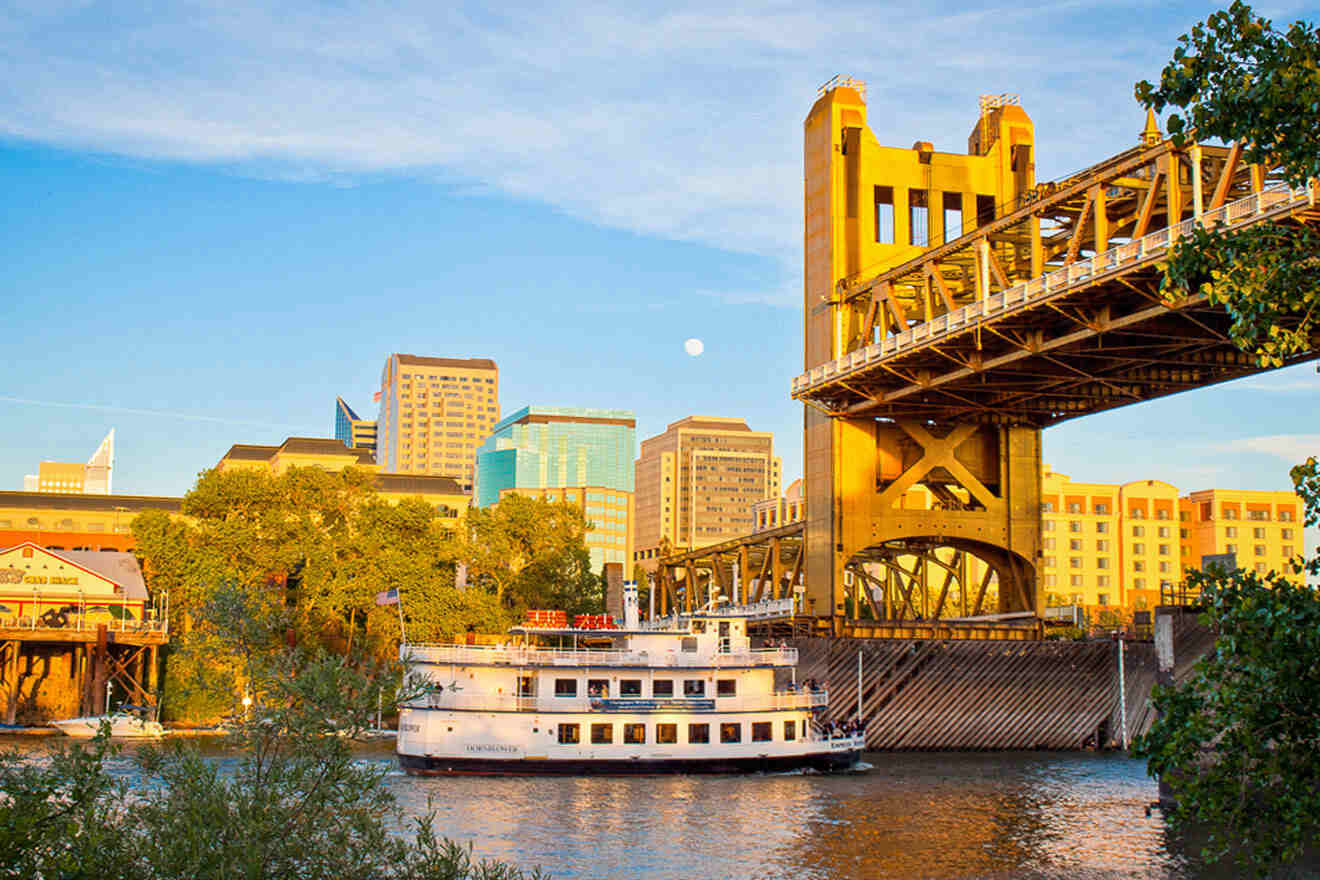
(694,347)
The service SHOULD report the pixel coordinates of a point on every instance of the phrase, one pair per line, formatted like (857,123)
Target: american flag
(388,597)
(375,398)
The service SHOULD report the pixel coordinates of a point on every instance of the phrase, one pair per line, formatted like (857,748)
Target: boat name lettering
(11,575)
(410,728)
(492,747)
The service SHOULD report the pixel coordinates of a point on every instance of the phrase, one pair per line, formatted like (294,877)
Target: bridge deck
(1086,337)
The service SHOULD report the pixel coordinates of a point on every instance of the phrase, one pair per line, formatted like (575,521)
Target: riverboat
(128,722)
(683,695)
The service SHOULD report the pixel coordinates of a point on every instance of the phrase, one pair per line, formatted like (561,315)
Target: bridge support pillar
(907,520)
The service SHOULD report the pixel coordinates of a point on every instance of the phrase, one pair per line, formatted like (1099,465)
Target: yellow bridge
(953,307)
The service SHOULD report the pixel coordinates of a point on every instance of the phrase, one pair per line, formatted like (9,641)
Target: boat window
(634,734)
(762,731)
(726,687)
(666,733)
(568,734)
(731,732)
(689,645)
(602,733)
(565,687)
(694,687)
(598,687)
(663,687)
(526,686)
(790,731)
(630,687)
(698,733)
(698,626)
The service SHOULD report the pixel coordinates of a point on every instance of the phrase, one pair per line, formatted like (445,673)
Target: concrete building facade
(72,478)
(697,484)
(434,413)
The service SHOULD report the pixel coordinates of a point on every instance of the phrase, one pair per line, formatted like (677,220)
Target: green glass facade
(543,447)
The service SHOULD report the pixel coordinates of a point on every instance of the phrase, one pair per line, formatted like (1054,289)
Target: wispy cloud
(154,413)
(1293,448)
(680,121)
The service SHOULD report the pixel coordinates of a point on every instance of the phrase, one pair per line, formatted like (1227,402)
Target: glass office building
(555,448)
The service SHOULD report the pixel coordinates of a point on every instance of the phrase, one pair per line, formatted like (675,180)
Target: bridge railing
(1272,199)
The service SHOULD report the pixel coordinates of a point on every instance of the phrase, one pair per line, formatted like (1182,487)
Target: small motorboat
(126,722)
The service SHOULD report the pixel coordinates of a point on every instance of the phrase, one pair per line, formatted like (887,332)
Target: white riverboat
(126,723)
(689,695)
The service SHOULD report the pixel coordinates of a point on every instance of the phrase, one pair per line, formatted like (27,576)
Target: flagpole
(403,636)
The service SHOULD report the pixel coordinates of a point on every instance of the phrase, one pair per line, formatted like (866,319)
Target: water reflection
(939,816)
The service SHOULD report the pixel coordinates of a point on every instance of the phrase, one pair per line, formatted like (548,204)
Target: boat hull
(824,762)
(120,728)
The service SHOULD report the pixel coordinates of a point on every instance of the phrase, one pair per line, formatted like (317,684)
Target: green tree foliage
(532,554)
(292,803)
(1239,742)
(1236,78)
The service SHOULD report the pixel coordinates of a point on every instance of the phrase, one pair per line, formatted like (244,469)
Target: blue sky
(219,216)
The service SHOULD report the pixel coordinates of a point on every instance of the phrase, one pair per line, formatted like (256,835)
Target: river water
(960,815)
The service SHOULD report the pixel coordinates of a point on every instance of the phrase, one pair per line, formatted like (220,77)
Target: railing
(766,609)
(1273,199)
(76,623)
(777,700)
(522,656)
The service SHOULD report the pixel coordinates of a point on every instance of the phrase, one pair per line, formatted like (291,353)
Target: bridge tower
(919,517)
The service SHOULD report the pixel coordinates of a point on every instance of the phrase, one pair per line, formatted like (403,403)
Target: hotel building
(434,413)
(1125,544)
(698,483)
(580,456)
(352,431)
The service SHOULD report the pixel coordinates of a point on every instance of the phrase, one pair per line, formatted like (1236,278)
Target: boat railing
(74,622)
(444,698)
(525,656)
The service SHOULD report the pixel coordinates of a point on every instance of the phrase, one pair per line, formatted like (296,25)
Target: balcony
(774,701)
(470,655)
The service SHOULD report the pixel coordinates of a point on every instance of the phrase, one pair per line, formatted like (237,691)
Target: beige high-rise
(434,413)
(697,484)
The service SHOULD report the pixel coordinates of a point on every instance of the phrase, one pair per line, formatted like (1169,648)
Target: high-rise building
(68,477)
(697,484)
(352,431)
(434,413)
(584,455)
(1128,544)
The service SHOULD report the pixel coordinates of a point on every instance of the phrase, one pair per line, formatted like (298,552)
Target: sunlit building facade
(351,430)
(434,413)
(73,478)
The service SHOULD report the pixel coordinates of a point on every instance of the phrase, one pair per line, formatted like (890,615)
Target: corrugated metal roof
(122,568)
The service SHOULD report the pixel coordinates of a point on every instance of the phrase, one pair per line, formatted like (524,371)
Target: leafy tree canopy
(1236,78)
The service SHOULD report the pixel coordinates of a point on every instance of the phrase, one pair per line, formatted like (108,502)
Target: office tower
(434,413)
(698,483)
(580,456)
(352,431)
(68,477)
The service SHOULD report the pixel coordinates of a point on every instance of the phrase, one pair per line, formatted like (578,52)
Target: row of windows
(632,687)
(667,734)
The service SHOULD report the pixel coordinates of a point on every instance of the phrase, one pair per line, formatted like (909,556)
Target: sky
(218,216)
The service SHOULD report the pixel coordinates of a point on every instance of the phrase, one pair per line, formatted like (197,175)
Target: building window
(1075,544)
(566,687)
(731,732)
(1164,549)
(1260,568)
(1102,528)
(630,687)
(1258,533)
(1075,562)
(1051,580)
(1102,508)
(1102,546)
(598,687)
(952,216)
(1074,507)
(762,731)
(1260,549)
(698,733)
(790,731)
(1074,526)
(1102,580)
(602,734)
(918,218)
(1230,548)
(1138,531)
(666,734)
(1163,531)
(1139,583)
(1048,543)
(1287,550)
(568,734)
(1102,562)
(1230,532)
(1102,598)
(1075,580)
(884,215)
(1047,526)
(1138,549)
(634,734)
(726,687)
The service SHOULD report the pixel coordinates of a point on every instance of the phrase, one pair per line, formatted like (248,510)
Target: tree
(1239,742)
(533,554)
(1236,78)
(293,803)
